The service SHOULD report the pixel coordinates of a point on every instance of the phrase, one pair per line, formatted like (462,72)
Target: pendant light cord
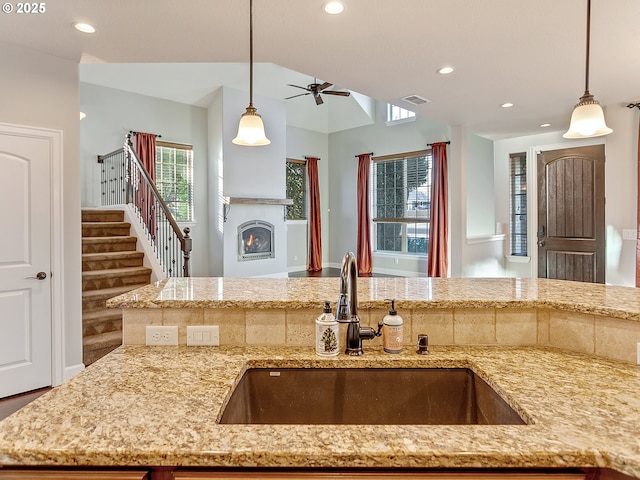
(586,75)
(251,53)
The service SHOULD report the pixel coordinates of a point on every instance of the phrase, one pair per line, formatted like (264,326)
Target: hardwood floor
(329,272)
(14,403)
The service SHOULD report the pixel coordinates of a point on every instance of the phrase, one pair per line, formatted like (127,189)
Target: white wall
(621,185)
(42,91)
(481,217)
(301,143)
(112,113)
(216,187)
(255,172)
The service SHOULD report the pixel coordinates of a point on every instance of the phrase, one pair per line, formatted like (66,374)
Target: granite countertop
(159,406)
(291,293)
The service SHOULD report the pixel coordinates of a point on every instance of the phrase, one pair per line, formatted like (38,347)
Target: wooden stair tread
(98,214)
(115,272)
(103,314)
(112,255)
(115,239)
(101,339)
(109,223)
(111,292)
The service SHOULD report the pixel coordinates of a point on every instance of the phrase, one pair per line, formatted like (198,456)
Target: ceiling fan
(316,89)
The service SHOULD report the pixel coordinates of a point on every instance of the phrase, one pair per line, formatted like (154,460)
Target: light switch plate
(629,234)
(203,335)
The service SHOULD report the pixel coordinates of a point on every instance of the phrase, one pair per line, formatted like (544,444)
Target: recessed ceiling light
(446,70)
(545,125)
(507,105)
(334,8)
(84,28)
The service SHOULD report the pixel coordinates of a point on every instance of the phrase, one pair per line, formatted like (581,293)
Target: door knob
(39,276)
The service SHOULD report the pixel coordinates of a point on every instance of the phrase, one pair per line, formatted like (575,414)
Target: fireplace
(255,240)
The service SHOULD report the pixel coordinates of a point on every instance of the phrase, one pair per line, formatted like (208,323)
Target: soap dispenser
(327,333)
(392,337)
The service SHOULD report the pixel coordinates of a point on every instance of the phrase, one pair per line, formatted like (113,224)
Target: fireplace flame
(250,240)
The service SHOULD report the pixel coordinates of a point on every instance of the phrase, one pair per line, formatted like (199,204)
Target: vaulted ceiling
(530,53)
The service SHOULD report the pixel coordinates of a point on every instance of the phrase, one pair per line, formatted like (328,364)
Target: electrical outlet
(162,335)
(203,335)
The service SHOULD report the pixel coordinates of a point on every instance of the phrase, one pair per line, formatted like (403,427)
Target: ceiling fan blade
(299,95)
(298,86)
(318,99)
(334,92)
(324,85)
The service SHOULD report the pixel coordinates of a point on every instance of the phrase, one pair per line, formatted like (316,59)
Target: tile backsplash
(608,337)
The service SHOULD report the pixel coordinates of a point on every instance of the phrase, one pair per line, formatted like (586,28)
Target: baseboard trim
(72,371)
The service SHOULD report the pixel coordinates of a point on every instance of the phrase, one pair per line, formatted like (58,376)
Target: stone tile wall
(603,336)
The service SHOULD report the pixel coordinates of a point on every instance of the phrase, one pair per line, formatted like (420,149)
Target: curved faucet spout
(347,309)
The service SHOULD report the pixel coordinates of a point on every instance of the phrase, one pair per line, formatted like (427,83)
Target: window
(518,203)
(395,113)
(174,178)
(401,203)
(297,189)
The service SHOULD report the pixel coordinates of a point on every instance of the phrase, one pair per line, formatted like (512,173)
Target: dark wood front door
(571,227)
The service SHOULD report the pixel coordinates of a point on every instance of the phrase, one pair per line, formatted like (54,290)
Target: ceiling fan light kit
(587,119)
(251,128)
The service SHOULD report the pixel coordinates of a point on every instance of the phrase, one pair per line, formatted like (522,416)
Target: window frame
(517,202)
(410,117)
(190,174)
(404,222)
(305,189)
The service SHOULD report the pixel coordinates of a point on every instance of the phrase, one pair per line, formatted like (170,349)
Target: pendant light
(587,119)
(251,129)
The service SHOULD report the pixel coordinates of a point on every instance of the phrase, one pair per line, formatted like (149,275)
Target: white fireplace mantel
(259,201)
(253,201)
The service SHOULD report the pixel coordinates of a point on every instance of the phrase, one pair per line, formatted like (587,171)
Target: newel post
(186,251)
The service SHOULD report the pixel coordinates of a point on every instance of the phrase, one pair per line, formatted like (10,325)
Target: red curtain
(145,201)
(314,261)
(364,216)
(437,256)
(146,150)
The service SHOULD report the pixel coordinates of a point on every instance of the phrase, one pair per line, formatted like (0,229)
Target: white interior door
(25,261)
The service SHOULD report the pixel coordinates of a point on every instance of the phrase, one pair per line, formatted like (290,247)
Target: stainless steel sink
(366,396)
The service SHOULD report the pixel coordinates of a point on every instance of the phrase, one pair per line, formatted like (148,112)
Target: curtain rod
(448,142)
(307,158)
(368,153)
(135,133)
(633,105)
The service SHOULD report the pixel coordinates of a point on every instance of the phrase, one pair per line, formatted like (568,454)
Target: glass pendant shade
(251,129)
(587,119)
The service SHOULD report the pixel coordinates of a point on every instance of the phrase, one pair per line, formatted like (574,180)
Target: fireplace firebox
(255,240)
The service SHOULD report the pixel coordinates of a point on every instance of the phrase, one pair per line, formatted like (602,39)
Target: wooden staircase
(110,266)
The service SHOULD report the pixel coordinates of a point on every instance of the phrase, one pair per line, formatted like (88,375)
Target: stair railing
(124,180)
